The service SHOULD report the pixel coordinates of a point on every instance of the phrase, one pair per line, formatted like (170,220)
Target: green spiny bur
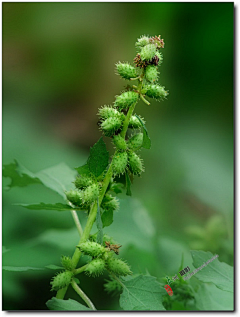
(148,52)
(156,91)
(95,267)
(75,197)
(135,163)
(151,73)
(118,266)
(136,141)
(90,194)
(82,182)
(111,204)
(126,99)
(111,125)
(67,263)
(91,248)
(119,142)
(160,56)
(119,163)
(61,280)
(107,112)
(134,123)
(142,41)
(126,71)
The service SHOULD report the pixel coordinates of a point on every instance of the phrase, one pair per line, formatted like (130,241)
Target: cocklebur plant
(100,179)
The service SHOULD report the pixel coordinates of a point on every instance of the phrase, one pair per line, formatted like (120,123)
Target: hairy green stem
(78,290)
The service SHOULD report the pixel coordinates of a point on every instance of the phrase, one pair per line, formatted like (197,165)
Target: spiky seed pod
(83,181)
(118,266)
(126,99)
(90,194)
(111,205)
(126,70)
(135,163)
(91,248)
(107,112)
(75,197)
(95,267)
(111,125)
(112,286)
(134,123)
(156,91)
(119,142)
(135,142)
(61,280)
(67,263)
(160,57)
(142,41)
(148,52)
(119,163)
(151,73)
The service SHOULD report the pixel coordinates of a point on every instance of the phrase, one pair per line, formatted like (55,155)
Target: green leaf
(128,184)
(83,170)
(107,218)
(146,140)
(20,268)
(99,157)
(99,225)
(43,206)
(53,267)
(19,175)
(142,293)
(61,304)
(209,297)
(58,178)
(219,273)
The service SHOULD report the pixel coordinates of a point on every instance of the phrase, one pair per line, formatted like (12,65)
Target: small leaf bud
(126,71)
(61,280)
(119,142)
(126,99)
(135,142)
(148,52)
(135,163)
(95,267)
(119,163)
(91,248)
(118,266)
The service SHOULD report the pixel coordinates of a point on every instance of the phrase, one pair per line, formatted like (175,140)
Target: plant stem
(80,269)
(144,100)
(77,222)
(78,290)
(93,210)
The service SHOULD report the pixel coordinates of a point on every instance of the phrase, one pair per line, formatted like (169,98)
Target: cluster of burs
(101,258)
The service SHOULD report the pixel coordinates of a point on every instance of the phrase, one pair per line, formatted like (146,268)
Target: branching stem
(78,290)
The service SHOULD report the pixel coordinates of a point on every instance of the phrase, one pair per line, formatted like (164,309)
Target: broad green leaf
(219,273)
(107,218)
(99,225)
(4,249)
(43,206)
(20,268)
(128,184)
(58,178)
(142,293)
(99,158)
(209,297)
(62,304)
(19,175)
(83,170)
(117,188)
(53,267)
(146,140)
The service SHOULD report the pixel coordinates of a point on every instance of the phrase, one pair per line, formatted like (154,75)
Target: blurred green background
(58,69)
